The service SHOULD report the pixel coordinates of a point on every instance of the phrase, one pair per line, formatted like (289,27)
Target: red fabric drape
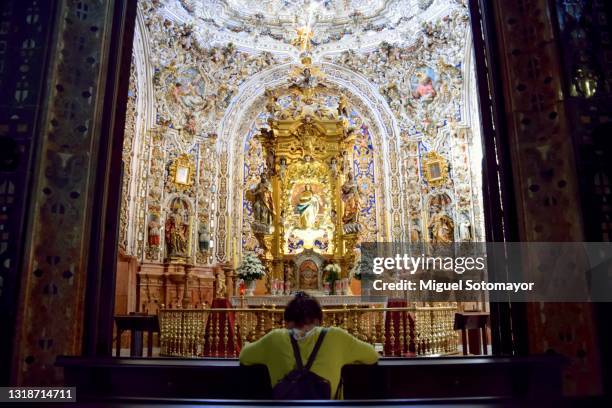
(215,331)
(393,319)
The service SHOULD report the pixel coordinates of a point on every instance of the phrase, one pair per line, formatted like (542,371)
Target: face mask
(300,334)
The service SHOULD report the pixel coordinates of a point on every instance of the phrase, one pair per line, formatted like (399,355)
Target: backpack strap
(315,350)
(296,352)
(313,354)
(339,389)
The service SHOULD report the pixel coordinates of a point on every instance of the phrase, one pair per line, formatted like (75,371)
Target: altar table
(467,321)
(136,324)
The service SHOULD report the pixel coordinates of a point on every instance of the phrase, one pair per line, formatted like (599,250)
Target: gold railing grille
(399,331)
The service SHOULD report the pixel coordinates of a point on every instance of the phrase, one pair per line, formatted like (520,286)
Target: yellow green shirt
(338,349)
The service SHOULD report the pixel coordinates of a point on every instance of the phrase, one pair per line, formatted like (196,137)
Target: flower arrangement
(332,273)
(251,269)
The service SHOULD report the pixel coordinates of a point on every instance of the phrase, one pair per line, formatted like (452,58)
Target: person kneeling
(325,350)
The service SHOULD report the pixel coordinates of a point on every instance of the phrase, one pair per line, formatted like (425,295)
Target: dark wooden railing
(526,378)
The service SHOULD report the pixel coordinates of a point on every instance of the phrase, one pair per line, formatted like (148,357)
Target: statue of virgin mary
(308,208)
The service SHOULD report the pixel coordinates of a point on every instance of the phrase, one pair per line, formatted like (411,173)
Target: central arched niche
(364,168)
(240,119)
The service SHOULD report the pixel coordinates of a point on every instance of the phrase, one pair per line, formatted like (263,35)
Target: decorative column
(27,29)
(545,177)
(75,149)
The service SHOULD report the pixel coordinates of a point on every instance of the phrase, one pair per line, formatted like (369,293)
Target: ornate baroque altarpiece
(198,94)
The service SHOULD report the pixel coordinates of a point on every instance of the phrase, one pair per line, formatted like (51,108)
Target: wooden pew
(445,377)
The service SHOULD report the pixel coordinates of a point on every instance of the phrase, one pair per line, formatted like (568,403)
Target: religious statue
(350,134)
(325,112)
(289,272)
(306,81)
(282,168)
(308,141)
(270,162)
(266,134)
(309,81)
(263,203)
(308,208)
(154,235)
(333,167)
(465,229)
(343,107)
(345,162)
(333,216)
(350,196)
(415,232)
(177,230)
(442,227)
(220,286)
(272,106)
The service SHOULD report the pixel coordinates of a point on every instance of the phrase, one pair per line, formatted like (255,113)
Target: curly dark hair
(303,310)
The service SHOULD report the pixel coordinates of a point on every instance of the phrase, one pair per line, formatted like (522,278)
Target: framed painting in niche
(182,171)
(435,169)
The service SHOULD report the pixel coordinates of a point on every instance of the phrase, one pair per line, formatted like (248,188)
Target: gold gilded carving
(435,169)
(309,275)
(182,171)
(300,206)
(304,38)
(266,240)
(584,83)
